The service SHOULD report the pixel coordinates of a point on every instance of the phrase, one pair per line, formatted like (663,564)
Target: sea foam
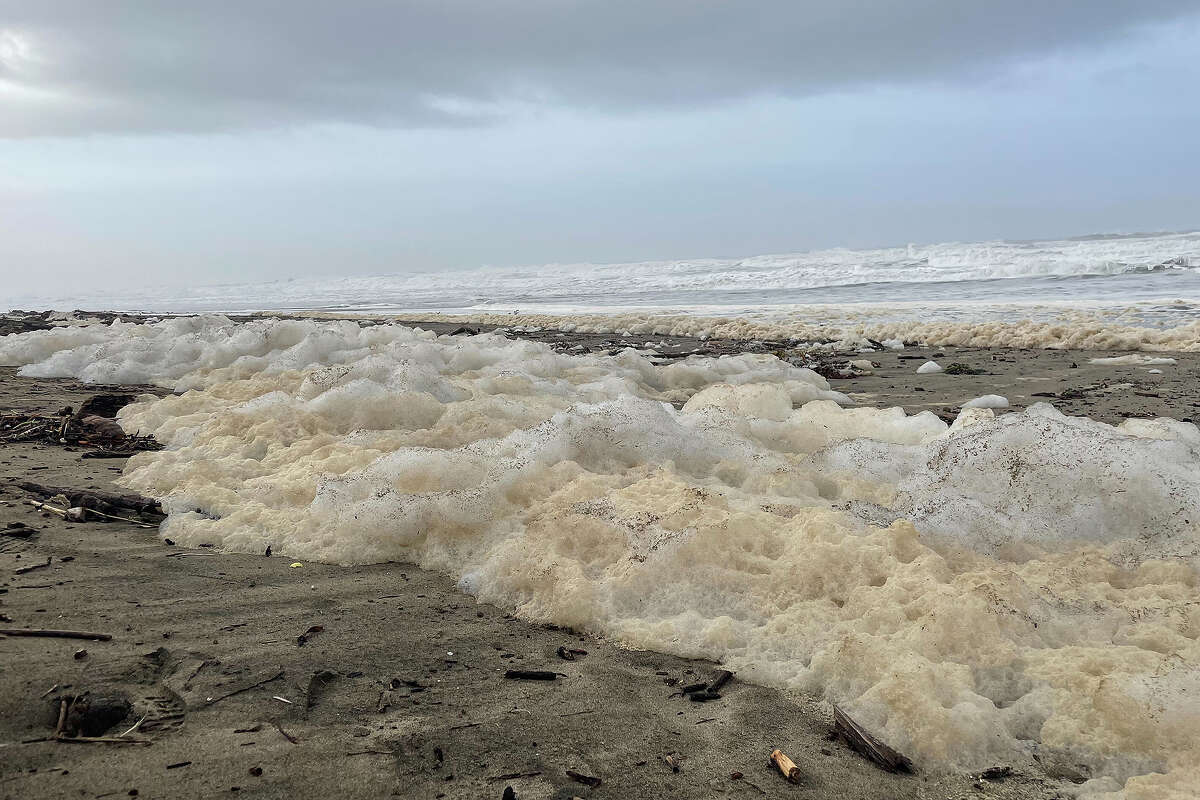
(996,589)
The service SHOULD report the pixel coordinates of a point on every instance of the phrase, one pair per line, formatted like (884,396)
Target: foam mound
(1002,588)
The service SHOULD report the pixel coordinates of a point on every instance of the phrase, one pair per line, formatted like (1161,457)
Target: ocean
(1147,279)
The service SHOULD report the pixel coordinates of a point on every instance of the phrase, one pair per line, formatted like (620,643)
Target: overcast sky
(175,141)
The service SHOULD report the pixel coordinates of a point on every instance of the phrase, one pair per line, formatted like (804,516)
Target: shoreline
(1063,377)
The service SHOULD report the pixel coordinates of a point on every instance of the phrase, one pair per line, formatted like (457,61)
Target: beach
(286,676)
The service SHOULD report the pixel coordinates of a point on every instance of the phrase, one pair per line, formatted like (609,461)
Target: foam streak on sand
(986,591)
(1073,330)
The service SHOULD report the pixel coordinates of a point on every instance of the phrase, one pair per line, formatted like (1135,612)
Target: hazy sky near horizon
(174,142)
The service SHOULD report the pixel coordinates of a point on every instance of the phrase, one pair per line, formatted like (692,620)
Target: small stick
(786,766)
(32,567)
(286,735)
(46,507)
(120,519)
(62,718)
(98,637)
(586,780)
(531,675)
(274,677)
(136,725)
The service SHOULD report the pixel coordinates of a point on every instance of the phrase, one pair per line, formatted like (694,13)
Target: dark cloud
(79,66)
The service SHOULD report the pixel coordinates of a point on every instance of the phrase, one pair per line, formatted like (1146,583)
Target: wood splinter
(786,766)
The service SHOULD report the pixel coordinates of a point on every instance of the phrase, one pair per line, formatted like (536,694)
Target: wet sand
(402,691)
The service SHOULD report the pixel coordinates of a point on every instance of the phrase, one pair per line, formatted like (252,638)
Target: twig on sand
(97,637)
(586,780)
(62,718)
(531,675)
(286,735)
(99,740)
(32,567)
(219,698)
(135,726)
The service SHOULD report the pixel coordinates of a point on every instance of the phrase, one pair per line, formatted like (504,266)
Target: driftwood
(97,637)
(96,500)
(720,682)
(92,425)
(80,514)
(867,745)
(786,766)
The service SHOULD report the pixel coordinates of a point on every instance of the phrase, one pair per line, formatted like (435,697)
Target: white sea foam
(987,401)
(849,327)
(976,592)
(1133,359)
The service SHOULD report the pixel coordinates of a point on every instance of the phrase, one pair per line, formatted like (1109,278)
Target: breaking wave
(1003,588)
(1102,269)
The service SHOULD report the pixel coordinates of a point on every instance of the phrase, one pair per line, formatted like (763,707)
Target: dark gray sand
(402,691)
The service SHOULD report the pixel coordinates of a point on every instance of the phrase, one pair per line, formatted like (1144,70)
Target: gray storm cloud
(70,67)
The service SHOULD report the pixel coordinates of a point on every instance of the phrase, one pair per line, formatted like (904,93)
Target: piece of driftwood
(96,500)
(95,637)
(867,745)
(530,675)
(786,766)
(720,682)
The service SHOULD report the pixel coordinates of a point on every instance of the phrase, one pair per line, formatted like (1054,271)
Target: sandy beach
(270,677)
